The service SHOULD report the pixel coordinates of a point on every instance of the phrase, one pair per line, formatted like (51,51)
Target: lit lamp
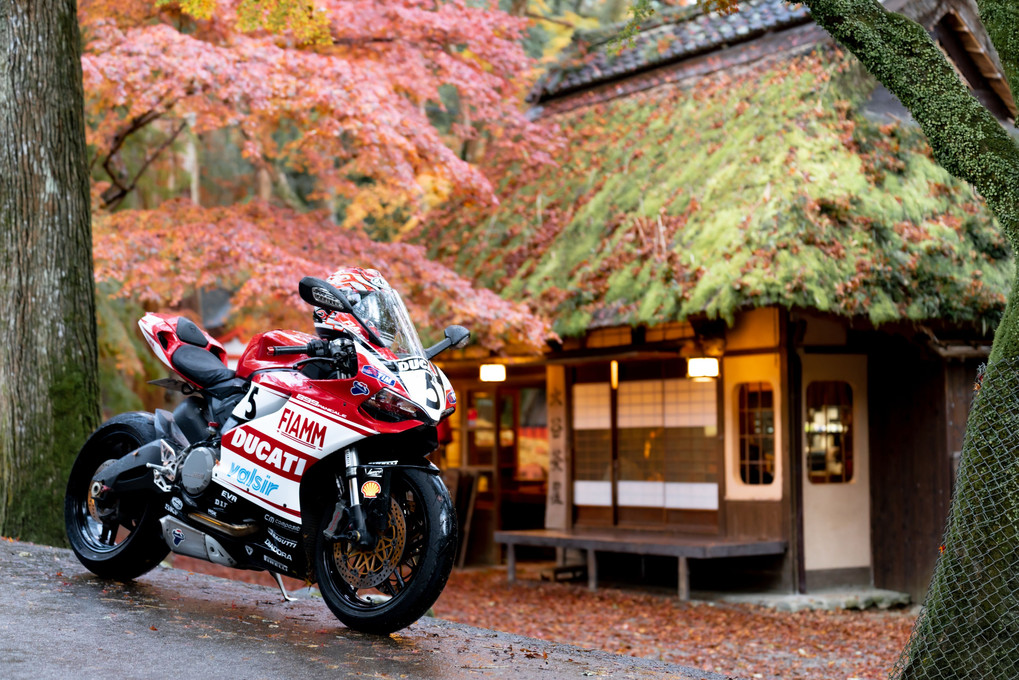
(614,374)
(702,368)
(492,373)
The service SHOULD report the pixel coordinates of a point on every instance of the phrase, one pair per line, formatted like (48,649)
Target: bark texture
(48,368)
(970,623)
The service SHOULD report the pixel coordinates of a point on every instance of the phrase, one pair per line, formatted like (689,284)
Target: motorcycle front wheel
(391,586)
(117,538)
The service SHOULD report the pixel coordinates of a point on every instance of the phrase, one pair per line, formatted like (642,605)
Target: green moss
(771,188)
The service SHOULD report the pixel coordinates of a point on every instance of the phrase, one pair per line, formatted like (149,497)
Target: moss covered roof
(672,34)
(766,187)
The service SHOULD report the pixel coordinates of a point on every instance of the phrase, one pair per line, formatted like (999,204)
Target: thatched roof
(767,184)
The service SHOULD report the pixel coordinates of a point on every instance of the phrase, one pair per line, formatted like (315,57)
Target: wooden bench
(683,547)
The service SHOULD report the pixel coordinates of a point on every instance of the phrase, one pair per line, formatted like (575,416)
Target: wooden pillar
(684,579)
(511,562)
(592,570)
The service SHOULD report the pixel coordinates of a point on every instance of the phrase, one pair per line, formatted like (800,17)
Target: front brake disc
(369,568)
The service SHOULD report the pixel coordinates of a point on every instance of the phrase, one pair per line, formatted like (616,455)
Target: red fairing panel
(256,354)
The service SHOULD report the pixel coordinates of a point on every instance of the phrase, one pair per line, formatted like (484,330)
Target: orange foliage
(348,106)
(261,252)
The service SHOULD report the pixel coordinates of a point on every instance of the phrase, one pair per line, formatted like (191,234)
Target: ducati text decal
(414,364)
(301,428)
(263,450)
(253,481)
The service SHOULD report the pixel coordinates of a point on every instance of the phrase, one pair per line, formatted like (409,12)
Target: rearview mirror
(457,337)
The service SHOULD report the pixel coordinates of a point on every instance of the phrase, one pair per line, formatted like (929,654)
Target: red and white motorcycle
(307,461)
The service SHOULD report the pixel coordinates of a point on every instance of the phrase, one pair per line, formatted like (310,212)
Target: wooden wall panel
(917,403)
(754,519)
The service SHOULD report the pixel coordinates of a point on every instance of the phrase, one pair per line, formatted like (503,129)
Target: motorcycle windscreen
(385,313)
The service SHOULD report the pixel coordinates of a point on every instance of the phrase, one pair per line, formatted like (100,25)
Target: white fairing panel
(265,459)
(424,384)
(145,324)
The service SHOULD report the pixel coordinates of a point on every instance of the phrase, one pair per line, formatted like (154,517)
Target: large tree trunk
(49,385)
(970,626)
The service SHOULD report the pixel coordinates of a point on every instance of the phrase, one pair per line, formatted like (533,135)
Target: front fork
(356,527)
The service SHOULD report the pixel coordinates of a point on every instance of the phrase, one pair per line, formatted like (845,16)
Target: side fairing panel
(265,459)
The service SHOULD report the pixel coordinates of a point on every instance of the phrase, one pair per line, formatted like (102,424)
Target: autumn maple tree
(342,92)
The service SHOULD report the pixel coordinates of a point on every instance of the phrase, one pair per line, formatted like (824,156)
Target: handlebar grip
(287,349)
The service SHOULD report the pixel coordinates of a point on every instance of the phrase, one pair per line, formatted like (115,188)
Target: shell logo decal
(370,489)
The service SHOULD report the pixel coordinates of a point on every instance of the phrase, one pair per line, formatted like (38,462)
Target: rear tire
(131,543)
(423,562)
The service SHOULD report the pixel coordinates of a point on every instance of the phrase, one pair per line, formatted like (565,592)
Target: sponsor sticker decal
(370,489)
(252,480)
(282,540)
(359,388)
(177,503)
(278,565)
(282,524)
(300,428)
(273,547)
(451,398)
(178,536)
(373,372)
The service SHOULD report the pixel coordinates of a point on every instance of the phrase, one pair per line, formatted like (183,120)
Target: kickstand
(279,582)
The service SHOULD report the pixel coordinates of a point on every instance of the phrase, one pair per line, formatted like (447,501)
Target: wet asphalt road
(59,621)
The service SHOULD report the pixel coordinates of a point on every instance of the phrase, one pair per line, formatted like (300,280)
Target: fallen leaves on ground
(742,640)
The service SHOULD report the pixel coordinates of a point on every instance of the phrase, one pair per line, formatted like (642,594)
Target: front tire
(395,584)
(123,540)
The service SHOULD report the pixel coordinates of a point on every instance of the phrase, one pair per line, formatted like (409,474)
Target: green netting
(969,626)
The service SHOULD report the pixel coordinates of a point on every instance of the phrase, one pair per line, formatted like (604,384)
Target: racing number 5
(250,413)
(432,391)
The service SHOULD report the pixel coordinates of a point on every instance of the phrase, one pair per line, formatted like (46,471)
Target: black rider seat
(200,366)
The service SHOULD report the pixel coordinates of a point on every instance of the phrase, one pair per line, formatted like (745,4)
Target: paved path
(57,621)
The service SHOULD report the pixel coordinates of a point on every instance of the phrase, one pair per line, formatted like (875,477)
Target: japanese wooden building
(735,189)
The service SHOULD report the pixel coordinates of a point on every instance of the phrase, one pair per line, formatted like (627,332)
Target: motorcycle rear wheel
(128,543)
(395,584)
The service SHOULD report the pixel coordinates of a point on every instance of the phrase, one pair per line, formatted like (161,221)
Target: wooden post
(684,579)
(592,570)
(511,562)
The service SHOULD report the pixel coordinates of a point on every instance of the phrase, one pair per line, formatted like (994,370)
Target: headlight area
(390,407)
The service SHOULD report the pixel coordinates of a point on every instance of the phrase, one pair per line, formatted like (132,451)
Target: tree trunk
(969,627)
(49,384)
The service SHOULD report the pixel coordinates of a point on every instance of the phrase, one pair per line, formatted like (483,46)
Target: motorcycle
(308,461)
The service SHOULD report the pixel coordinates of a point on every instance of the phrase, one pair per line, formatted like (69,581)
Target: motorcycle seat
(200,366)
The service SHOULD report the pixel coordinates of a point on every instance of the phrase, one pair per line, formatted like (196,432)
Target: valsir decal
(250,479)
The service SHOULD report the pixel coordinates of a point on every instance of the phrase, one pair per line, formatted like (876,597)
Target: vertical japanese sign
(557,507)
